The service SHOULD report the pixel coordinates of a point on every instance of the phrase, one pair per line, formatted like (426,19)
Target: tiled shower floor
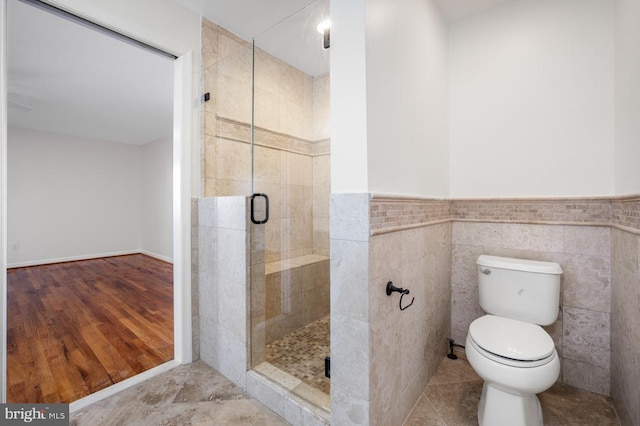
(301,353)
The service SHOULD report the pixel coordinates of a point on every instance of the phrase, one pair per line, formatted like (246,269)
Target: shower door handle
(266,208)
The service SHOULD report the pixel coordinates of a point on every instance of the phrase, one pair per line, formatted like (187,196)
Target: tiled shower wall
(625,309)
(291,140)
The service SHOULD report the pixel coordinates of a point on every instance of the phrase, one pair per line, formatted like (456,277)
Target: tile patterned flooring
(301,354)
(192,394)
(452,397)
(195,394)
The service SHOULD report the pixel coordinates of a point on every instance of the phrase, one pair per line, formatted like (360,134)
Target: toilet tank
(525,290)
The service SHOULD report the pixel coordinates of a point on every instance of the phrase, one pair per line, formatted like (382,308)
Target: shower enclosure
(290,152)
(266,131)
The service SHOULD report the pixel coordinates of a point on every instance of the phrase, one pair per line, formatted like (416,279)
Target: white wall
(532,100)
(171,27)
(349,169)
(73,198)
(389,98)
(157,199)
(627,95)
(407,98)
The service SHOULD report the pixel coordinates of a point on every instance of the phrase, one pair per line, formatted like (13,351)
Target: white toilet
(514,356)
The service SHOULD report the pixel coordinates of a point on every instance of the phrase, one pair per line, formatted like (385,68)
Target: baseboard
(86,257)
(157,256)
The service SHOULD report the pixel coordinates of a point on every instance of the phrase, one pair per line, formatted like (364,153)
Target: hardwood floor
(77,327)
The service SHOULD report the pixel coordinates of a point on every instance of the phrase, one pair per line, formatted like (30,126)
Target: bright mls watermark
(34,414)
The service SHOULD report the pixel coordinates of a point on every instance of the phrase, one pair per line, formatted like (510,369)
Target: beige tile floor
(192,394)
(195,394)
(452,397)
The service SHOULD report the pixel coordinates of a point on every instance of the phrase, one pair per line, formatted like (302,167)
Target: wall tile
(231,213)
(594,240)
(316,275)
(322,170)
(207,212)
(386,254)
(232,357)
(464,307)
(234,58)
(586,282)
(350,278)
(321,108)
(350,358)
(586,376)
(267,164)
(625,340)
(233,97)
(232,260)
(209,44)
(477,234)
(414,245)
(233,160)
(464,272)
(532,237)
(625,250)
(232,307)
(586,336)
(347,409)
(296,168)
(208,340)
(346,216)
(385,375)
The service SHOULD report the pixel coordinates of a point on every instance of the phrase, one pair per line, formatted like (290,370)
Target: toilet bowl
(508,348)
(514,372)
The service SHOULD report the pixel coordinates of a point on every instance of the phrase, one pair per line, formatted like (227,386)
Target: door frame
(183,133)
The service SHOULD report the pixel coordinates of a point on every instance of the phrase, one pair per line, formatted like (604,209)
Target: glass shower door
(290,164)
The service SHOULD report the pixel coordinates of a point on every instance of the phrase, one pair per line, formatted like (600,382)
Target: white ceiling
(249,18)
(69,79)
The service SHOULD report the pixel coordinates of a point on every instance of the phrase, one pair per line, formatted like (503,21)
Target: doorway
(83,175)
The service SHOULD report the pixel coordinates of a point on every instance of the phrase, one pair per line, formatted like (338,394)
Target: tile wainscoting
(381,357)
(430,247)
(625,309)
(597,242)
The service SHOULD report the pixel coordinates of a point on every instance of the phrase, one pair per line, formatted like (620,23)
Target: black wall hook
(403,291)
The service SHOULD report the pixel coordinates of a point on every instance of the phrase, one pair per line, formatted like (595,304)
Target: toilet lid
(511,339)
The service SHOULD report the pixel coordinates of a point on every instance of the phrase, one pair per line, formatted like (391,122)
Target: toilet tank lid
(519,264)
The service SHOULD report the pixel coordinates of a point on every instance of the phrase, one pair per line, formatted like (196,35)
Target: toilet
(508,348)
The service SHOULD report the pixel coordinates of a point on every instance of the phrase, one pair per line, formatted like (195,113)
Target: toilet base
(500,408)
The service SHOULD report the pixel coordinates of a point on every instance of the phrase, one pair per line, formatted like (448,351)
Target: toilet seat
(511,342)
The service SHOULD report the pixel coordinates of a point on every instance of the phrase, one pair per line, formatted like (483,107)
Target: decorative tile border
(390,213)
(625,213)
(241,132)
(584,211)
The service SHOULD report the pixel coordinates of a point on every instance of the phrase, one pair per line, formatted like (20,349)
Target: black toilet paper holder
(403,292)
